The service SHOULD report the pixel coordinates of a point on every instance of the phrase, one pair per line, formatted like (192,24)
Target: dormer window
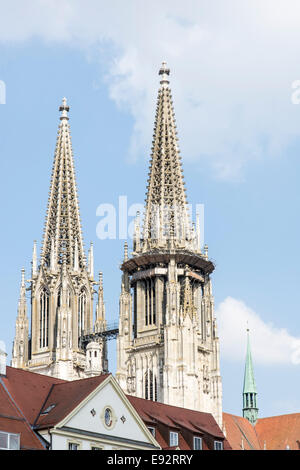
(173,439)
(152,430)
(48,409)
(197,443)
(9,441)
(218,445)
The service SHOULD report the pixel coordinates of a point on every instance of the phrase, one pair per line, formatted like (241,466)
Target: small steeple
(250,410)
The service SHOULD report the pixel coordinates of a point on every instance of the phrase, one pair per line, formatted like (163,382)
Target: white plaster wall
(108,397)
(60,442)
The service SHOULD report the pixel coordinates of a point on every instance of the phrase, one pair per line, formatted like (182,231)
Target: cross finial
(165,72)
(64,108)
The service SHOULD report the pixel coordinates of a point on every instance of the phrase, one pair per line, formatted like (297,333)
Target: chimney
(3,356)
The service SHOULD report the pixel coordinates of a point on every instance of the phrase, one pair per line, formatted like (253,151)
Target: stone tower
(168,347)
(250,410)
(62,284)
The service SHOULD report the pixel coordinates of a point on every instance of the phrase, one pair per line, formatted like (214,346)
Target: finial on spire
(91,261)
(165,72)
(64,108)
(34,260)
(22,307)
(22,277)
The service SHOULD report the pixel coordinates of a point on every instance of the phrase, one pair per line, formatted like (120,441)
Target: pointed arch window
(150,302)
(82,306)
(44,317)
(150,386)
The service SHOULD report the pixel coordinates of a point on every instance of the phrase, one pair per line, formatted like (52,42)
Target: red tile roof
(13,421)
(173,417)
(240,433)
(278,432)
(66,396)
(29,390)
(35,392)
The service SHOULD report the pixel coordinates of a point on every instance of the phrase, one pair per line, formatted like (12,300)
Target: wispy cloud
(269,344)
(232,66)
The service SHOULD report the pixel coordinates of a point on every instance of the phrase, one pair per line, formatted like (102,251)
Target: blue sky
(232,71)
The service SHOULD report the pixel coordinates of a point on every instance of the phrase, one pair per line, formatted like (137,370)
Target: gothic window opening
(150,302)
(150,386)
(44,318)
(82,306)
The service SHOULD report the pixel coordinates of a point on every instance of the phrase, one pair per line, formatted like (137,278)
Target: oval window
(108,417)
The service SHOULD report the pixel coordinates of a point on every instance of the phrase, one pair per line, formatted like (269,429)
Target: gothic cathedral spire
(166,214)
(62,285)
(250,410)
(168,348)
(62,227)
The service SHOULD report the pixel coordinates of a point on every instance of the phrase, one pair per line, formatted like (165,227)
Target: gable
(90,416)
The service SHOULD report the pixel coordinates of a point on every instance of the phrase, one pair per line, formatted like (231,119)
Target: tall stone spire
(166,214)
(168,348)
(250,410)
(20,346)
(62,226)
(62,285)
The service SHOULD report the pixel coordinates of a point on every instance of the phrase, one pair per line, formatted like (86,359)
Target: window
(173,439)
(9,441)
(150,386)
(218,445)
(44,318)
(150,303)
(48,409)
(82,306)
(95,448)
(152,430)
(73,446)
(197,443)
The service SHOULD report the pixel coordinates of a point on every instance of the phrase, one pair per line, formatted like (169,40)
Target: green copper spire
(250,410)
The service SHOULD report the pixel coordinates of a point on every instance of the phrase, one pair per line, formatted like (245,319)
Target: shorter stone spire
(20,344)
(250,410)
(100,323)
(22,310)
